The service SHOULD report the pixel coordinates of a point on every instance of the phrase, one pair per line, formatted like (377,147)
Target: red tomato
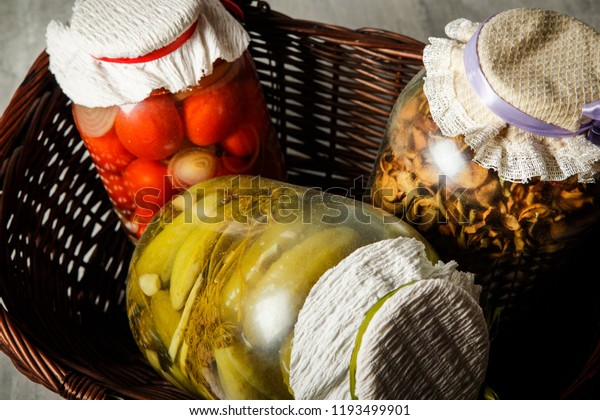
(117,191)
(212,114)
(233,165)
(223,72)
(257,114)
(151,129)
(250,86)
(142,218)
(148,183)
(108,153)
(243,142)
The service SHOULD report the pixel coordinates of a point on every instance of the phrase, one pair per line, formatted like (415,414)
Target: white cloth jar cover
(523,88)
(328,325)
(115,53)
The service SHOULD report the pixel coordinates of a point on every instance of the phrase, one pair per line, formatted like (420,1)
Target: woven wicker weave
(64,257)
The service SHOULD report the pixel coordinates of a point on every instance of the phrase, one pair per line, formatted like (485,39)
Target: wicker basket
(64,257)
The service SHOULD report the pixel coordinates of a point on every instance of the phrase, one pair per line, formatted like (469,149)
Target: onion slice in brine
(191,166)
(94,122)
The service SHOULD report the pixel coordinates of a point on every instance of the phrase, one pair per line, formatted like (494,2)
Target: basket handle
(18,111)
(26,358)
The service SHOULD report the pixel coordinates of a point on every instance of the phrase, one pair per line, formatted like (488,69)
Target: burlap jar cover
(522,88)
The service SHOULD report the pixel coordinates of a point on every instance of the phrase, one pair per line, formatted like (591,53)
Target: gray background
(23,23)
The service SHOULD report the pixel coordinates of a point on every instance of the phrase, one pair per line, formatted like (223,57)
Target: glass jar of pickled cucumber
(163,102)
(218,279)
(499,169)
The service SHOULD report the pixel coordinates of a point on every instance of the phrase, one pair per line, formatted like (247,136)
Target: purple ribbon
(514,116)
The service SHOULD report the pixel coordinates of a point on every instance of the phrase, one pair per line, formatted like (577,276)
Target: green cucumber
(271,307)
(190,260)
(159,255)
(165,317)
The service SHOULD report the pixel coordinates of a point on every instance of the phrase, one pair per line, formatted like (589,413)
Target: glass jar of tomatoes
(149,151)
(163,100)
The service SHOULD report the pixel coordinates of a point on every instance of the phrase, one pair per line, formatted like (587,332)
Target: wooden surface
(23,23)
